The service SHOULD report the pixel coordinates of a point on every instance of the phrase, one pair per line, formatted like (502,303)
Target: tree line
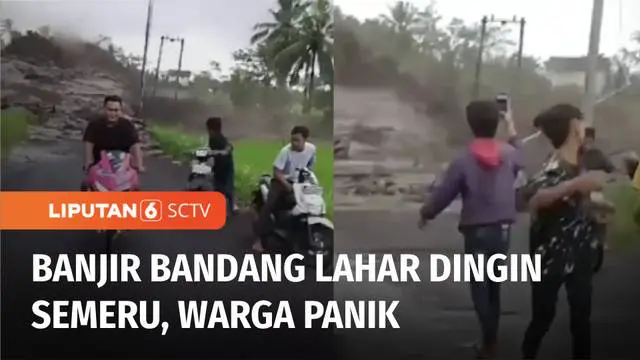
(432,62)
(289,60)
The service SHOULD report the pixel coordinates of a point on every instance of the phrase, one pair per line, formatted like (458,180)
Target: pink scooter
(114,172)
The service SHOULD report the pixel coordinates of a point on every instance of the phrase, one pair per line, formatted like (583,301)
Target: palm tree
(403,17)
(427,27)
(278,33)
(310,51)
(284,21)
(403,20)
(300,39)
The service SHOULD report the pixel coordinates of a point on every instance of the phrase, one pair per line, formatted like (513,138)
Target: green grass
(252,159)
(14,124)
(625,230)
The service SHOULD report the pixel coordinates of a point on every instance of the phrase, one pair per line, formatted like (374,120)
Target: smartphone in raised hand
(503,102)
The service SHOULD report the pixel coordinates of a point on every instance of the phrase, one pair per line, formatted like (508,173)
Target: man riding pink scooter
(113,156)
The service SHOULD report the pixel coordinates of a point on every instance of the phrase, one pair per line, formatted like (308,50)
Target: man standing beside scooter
(223,166)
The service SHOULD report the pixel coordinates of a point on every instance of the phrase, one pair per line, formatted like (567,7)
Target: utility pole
(518,76)
(175,92)
(523,22)
(162,40)
(155,84)
(476,82)
(590,98)
(143,71)
(483,33)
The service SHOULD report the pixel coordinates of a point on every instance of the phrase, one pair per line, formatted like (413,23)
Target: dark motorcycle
(301,225)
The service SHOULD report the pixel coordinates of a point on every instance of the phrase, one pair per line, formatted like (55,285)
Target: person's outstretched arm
(513,140)
(546,190)
(444,192)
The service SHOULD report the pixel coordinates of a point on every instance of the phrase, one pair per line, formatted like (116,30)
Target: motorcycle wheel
(320,243)
(199,184)
(599,260)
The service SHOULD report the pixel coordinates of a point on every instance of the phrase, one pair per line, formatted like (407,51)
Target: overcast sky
(212,29)
(554,27)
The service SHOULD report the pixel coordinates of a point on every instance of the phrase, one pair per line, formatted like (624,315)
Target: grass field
(252,159)
(14,123)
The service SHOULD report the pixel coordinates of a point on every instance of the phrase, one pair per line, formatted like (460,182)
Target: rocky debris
(386,187)
(374,124)
(63,99)
(359,178)
(385,151)
(341,148)
(372,136)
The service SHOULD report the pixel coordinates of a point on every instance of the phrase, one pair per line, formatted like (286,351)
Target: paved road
(438,319)
(57,167)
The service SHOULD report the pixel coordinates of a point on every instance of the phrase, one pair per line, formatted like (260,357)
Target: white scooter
(201,173)
(301,225)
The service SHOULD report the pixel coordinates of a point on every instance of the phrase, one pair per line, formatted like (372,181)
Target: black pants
(487,240)
(277,193)
(543,301)
(226,185)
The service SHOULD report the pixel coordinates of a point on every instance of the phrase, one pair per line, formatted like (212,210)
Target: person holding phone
(562,232)
(484,176)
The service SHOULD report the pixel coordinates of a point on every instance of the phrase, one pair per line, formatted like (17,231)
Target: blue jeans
(226,186)
(487,240)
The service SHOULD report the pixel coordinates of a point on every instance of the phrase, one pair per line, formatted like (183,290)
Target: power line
(162,43)
(483,32)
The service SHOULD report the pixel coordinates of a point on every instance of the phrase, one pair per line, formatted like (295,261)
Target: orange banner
(39,210)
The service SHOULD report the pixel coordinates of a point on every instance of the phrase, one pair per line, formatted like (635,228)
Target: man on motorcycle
(112,131)
(297,155)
